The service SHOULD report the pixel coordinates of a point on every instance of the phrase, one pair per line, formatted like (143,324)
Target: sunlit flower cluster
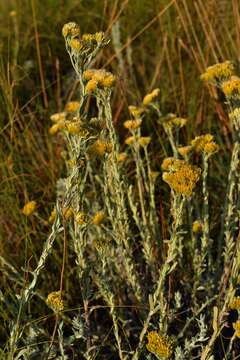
(205,144)
(231,87)
(218,72)
(159,345)
(29,208)
(151,97)
(182,177)
(98,79)
(235,303)
(100,148)
(55,302)
(236,326)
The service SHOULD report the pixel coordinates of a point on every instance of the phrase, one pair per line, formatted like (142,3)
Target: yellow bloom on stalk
(91,86)
(88,74)
(185,150)
(76,45)
(144,140)
(197,227)
(81,218)
(58,117)
(211,148)
(172,120)
(132,124)
(70,29)
(99,36)
(136,111)
(88,37)
(54,301)
(171,164)
(130,140)
(53,215)
(200,142)
(236,327)
(29,208)
(218,72)
(99,148)
(159,345)
(184,179)
(72,106)
(231,87)
(99,218)
(122,157)
(235,303)
(151,97)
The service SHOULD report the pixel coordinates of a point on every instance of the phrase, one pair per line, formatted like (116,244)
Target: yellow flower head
(235,303)
(81,218)
(103,78)
(144,141)
(200,141)
(91,86)
(72,106)
(88,37)
(184,179)
(171,120)
(136,111)
(197,227)
(130,140)
(76,45)
(58,117)
(100,148)
(99,218)
(99,36)
(54,129)
(53,215)
(151,97)
(122,157)
(29,208)
(70,29)
(236,327)
(231,87)
(132,124)
(171,163)
(54,301)
(185,150)
(159,345)
(218,72)
(211,148)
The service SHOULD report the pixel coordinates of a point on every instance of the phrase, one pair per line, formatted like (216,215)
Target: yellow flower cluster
(58,117)
(144,140)
(132,124)
(197,227)
(70,29)
(218,72)
(29,208)
(236,327)
(122,157)
(172,164)
(235,303)
(98,78)
(171,120)
(182,177)
(159,345)
(231,87)
(130,140)
(54,301)
(98,218)
(204,143)
(68,213)
(76,45)
(185,150)
(151,97)
(72,106)
(136,111)
(100,148)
